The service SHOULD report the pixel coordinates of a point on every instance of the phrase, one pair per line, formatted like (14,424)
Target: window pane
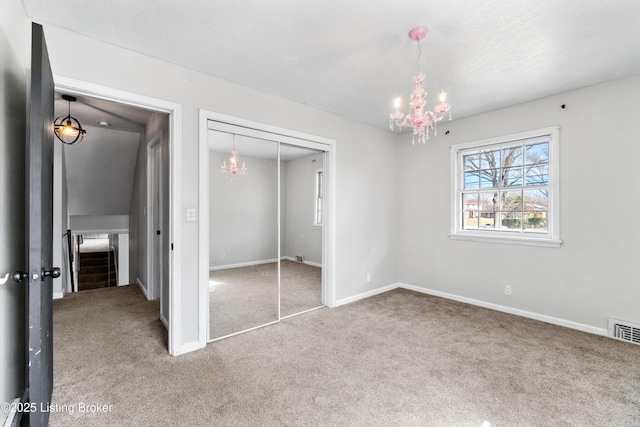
(487,220)
(489,201)
(470,220)
(537,154)
(470,201)
(471,162)
(490,159)
(512,177)
(535,222)
(511,201)
(537,174)
(489,178)
(471,179)
(536,200)
(511,221)
(512,156)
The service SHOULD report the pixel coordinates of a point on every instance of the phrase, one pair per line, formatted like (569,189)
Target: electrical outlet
(507,290)
(368,277)
(223,255)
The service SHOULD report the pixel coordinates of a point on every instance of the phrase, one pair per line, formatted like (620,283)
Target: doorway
(170,312)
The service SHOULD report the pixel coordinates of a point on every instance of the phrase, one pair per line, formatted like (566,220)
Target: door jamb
(153,290)
(78,87)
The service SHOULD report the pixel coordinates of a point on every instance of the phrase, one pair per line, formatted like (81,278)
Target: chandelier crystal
(232,169)
(420,121)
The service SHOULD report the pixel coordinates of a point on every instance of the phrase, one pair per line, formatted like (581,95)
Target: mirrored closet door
(301,201)
(266,205)
(243,228)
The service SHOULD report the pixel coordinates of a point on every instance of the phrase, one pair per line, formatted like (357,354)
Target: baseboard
(242,264)
(188,348)
(164,321)
(364,295)
(516,311)
(142,288)
(58,295)
(314,264)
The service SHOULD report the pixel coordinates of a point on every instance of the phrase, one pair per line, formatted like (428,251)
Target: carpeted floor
(246,297)
(396,359)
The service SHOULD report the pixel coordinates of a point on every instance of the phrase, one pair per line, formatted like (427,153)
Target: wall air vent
(624,331)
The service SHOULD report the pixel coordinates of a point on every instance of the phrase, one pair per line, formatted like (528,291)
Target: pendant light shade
(67,128)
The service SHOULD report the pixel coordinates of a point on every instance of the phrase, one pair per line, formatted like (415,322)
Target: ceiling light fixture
(420,121)
(232,169)
(68,129)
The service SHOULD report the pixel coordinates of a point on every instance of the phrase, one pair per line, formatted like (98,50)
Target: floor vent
(624,331)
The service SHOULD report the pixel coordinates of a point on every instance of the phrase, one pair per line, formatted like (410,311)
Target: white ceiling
(353,57)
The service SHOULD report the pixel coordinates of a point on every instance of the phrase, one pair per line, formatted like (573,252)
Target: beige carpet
(246,297)
(396,359)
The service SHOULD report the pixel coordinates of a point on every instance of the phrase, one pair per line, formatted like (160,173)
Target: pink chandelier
(232,169)
(419,120)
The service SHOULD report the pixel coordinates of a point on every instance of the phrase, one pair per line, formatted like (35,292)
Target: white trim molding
(142,287)
(366,294)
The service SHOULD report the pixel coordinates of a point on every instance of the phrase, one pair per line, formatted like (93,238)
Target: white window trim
(550,239)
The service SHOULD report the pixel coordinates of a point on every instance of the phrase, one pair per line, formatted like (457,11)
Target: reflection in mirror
(243,240)
(301,207)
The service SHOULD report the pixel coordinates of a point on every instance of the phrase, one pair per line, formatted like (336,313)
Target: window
(506,189)
(319,197)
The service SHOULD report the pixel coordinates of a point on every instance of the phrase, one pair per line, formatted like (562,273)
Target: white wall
(365,224)
(15,42)
(105,223)
(593,275)
(122,240)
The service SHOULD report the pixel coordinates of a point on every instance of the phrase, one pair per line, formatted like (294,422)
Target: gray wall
(14,60)
(594,274)
(243,212)
(301,237)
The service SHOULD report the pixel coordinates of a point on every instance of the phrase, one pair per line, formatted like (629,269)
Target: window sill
(318,227)
(509,240)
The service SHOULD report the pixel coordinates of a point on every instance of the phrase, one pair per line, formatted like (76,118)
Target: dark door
(39,171)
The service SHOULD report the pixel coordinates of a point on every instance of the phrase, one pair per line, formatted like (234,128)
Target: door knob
(54,273)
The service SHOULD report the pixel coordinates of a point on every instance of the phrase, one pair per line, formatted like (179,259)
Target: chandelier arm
(419,57)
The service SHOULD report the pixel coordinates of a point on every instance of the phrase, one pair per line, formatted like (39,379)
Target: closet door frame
(210,120)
